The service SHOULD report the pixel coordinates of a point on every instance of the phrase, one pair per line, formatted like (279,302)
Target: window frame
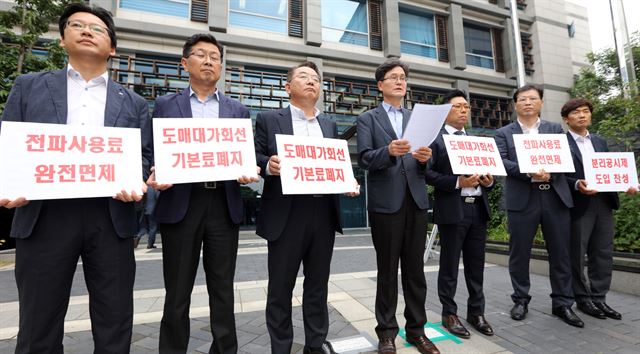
(491,47)
(435,32)
(285,19)
(366,34)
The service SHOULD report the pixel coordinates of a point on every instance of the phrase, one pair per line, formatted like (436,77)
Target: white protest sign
(425,123)
(190,150)
(548,152)
(469,155)
(310,165)
(610,171)
(56,161)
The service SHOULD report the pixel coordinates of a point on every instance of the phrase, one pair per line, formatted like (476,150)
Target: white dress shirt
(207,108)
(303,125)
(585,145)
(86,100)
(531,130)
(395,117)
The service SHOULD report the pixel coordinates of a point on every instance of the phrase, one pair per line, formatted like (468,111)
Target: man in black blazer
(397,205)
(298,228)
(203,215)
(536,199)
(53,234)
(592,224)
(461,210)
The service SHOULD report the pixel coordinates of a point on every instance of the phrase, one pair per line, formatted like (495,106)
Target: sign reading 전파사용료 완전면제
(548,152)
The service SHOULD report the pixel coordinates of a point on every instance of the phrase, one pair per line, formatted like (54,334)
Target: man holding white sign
(461,210)
(299,228)
(53,234)
(592,224)
(204,215)
(532,200)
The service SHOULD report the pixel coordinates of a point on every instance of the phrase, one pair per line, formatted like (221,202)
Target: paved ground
(351,303)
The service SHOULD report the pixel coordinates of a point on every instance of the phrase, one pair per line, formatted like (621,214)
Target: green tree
(21,29)
(617,118)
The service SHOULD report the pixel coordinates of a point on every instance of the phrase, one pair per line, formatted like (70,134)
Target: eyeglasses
(94,28)
(202,56)
(313,78)
(459,107)
(528,99)
(396,78)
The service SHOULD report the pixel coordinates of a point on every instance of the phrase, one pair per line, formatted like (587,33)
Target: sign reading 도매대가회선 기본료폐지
(57,161)
(310,165)
(469,155)
(188,150)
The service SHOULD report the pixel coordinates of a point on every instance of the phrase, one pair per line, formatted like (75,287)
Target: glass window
(179,8)
(267,15)
(345,21)
(417,34)
(478,46)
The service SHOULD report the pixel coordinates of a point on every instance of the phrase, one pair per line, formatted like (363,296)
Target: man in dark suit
(461,210)
(397,205)
(203,215)
(536,199)
(298,228)
(592,224)
(53,234)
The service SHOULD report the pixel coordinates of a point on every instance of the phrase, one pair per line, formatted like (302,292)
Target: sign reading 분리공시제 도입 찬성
(469,155)
(548,152)
(310,165)
(56,161)
(190,150)
(610,171)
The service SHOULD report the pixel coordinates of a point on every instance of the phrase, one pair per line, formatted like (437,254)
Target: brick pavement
(351,301)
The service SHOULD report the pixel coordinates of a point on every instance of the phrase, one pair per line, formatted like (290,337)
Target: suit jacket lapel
(284,121)
(515,128)
(573,146)
(57,84)
(184,104)
(406,115)
(115,96)
(223,107)
(327,132)
(385,122)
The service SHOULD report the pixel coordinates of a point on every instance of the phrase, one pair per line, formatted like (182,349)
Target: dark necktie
(459,132)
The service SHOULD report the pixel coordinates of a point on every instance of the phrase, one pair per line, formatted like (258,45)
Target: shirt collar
(75,75)
(215,95)
(578,137)
(535,126)
(297,113)
(452,130)
(388,108)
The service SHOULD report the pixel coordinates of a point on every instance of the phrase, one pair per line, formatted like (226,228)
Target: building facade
(466,44)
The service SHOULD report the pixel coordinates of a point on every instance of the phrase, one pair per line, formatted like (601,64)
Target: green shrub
(627,218)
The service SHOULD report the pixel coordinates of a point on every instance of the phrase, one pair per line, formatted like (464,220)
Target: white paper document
(425,124)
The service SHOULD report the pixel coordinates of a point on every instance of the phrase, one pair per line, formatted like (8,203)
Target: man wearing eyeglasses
(397,205)
(533,200)
(300,229)
(195,216)
(53,234)
(461,210)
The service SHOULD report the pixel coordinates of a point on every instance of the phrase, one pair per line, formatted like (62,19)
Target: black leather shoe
(424,345)
(326,348)
(590,309)
(387,346)
(608,311)
(455,327)
(568,316)
(519,311)
(480,324)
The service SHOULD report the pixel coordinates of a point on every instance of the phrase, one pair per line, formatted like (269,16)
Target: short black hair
(389,65)
(528,87)
(453,94)
(102,14)
(574,104)
(197,38)
(306,64)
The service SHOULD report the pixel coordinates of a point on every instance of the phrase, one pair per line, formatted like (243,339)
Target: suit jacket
(518,185)
(172,203)
(389,176)
(581,201)
(275,206)
(42,98)
(447,207)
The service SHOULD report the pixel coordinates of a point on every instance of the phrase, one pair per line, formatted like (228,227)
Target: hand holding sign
(15,203)
(399,147)
(423,154)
